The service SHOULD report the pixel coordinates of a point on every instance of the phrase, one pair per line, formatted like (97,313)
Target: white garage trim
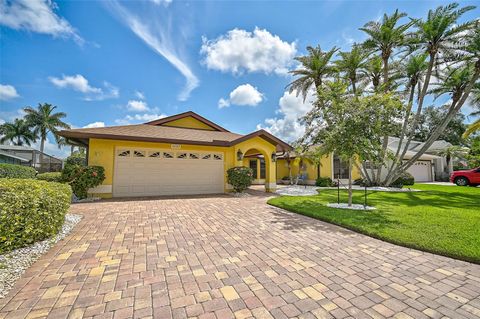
(153,172)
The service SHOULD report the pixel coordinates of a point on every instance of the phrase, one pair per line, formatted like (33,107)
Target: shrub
(406,179)
(76,159)
(16,171)
(240,177)
(51,177)
(81,178)
(324,182)
(31,210)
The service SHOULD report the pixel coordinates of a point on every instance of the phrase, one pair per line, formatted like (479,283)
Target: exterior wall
(266,149)
(189,122)
(102,152)
(311,168)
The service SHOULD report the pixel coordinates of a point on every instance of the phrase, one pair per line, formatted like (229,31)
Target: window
(124,153)
(155,154)
(181,155)
(207,156)
(262,168)
(139,153)
(167,155)
(253,166)
(194,156)
(340,168)
(217,157)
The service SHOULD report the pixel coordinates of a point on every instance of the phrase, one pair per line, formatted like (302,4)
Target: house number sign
(176,146)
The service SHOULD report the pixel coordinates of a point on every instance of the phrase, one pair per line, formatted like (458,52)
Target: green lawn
(441,219)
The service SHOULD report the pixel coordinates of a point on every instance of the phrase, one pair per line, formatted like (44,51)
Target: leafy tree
(433,117)
(353,126)
(453,152)
(18,133)
(43,121)
(473,156)
(417,60)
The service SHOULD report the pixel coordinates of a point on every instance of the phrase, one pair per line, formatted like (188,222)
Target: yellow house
(330,166)
(176,155)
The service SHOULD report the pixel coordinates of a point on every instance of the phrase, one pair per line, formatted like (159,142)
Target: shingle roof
(167,134)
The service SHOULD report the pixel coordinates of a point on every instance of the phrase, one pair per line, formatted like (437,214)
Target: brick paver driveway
(225,257)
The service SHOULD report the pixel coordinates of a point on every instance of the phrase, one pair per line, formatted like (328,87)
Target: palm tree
(351,63)
(385,37)
(472,128)
(62,141)
(439,34)
(43,120)
(18,133)
(315,67)
(451,153)
(372,72)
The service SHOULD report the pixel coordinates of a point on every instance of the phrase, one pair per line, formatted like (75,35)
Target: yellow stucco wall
(189,122)
(102,152)
(326,169)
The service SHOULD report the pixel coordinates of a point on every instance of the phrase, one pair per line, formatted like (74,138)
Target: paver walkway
(226,257)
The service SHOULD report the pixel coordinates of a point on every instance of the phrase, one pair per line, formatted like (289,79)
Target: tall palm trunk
(350,192)
(454,108)
(404,130)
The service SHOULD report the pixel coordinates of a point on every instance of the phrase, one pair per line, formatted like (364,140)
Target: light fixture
(274,157)
(239,155)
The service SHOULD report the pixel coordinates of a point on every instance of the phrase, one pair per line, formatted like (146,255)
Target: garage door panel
(146,176)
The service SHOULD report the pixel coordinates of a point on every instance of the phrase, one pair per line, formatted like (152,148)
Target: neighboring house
(28,156)
(430,165)
(176,155)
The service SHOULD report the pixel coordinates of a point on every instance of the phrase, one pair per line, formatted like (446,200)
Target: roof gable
(190,120)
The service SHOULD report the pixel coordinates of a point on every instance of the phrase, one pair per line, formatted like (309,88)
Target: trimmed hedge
(406,179)
(31,210)
(324,182)
(240,177)
(51,177)
(16,171)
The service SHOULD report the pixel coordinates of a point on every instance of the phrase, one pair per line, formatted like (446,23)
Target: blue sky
(112,63)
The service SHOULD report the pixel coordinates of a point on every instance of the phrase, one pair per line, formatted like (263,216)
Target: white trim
(101,189)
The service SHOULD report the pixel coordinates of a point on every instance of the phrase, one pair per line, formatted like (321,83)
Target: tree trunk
(72,148)
(454,109)
(404,131)
(385,71)
(350,192)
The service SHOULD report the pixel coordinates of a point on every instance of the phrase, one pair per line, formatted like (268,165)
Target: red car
(468,177)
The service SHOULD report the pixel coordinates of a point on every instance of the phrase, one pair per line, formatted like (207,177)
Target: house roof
(154,131)
(16,148)
(200,118)
(13,156)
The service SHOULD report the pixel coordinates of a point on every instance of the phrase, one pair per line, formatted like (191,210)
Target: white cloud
(140,95)
(139,118)
(51,148)
(244,94)
(7,92)
(241,51)
(76,82)
(287,126)
(166,3)
(95,124)
(80,84)
(36,16)
(160,39)
(137,106)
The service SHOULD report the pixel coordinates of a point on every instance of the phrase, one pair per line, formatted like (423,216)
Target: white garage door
(151,172)
(421,171)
